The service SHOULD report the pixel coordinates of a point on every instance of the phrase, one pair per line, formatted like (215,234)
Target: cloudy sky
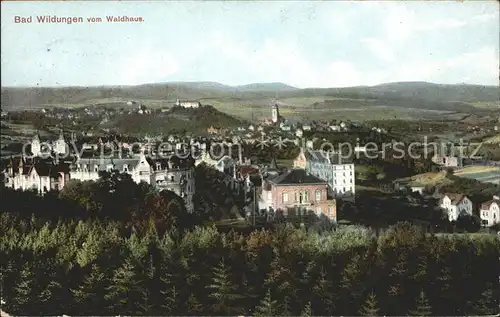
(304,44)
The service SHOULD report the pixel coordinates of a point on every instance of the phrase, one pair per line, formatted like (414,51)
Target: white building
(456,205)
(59,146)
(36,145)
(299,133)
(446,161)
(35,174)
(172,174)
(490,212)
(275,113)
(339,175)
(188,103)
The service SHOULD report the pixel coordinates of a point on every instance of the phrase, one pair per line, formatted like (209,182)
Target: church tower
(36,147)
(60,144)
(275,113)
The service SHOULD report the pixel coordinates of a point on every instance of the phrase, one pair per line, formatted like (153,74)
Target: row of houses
(456,205)
(46,174)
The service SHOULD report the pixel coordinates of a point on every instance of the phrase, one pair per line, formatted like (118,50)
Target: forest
(94,267)
(114,247)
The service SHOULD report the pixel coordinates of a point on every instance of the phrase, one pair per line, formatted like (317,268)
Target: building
(456,205)
(214,130)
(340,176)
(299,133)
(174,174)
(38,174)
(490,212)
(60,145)
(275,113)
(188,104)
(38,148)
(410,185)
(446,161)
(296,193)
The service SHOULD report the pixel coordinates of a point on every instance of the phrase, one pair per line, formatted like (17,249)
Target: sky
(299,43)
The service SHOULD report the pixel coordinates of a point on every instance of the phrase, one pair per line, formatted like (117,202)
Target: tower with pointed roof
(275,113)
(61,147)
(36,147)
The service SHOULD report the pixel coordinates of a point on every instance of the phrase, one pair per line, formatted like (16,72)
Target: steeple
(61,135)
(36,137)
(275,114)
(274,165)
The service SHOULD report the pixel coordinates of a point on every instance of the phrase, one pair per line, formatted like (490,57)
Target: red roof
(245,170)
(486,205)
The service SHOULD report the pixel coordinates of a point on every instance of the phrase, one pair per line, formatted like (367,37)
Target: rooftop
(296,176)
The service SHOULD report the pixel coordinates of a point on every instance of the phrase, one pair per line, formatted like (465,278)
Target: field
(405,101)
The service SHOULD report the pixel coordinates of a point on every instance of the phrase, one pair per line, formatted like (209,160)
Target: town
(314,179)
(250,159)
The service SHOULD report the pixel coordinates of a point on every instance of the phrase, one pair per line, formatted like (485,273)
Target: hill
(272,87)
(176,119)
(397,97)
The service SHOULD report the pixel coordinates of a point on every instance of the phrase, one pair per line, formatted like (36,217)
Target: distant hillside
(273,87)
(438,92)
(176,119)
(419,95)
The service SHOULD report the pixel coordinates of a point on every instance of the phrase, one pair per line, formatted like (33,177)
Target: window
(285,197)
(306,196)
(330,210)
(318,211)
(96,168)
(318,195)
(172,178)
(296,196)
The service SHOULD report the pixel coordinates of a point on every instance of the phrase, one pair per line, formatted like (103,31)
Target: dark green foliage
(488,303)
(370,306)
(88,296)
(267,307)
(307,310)
(222,291)
(99,266)
(422,306)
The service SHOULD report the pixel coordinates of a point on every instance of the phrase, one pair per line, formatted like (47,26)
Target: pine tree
(120,293)
(147,303)
(488,304)
(370,307)
(267,307)
(88,295)
(171,300)
(286,309)
(24,292)
(223,291)
(350,277)
(307,311)
(323,295)
(422,307)
(194,306)
(171,273)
